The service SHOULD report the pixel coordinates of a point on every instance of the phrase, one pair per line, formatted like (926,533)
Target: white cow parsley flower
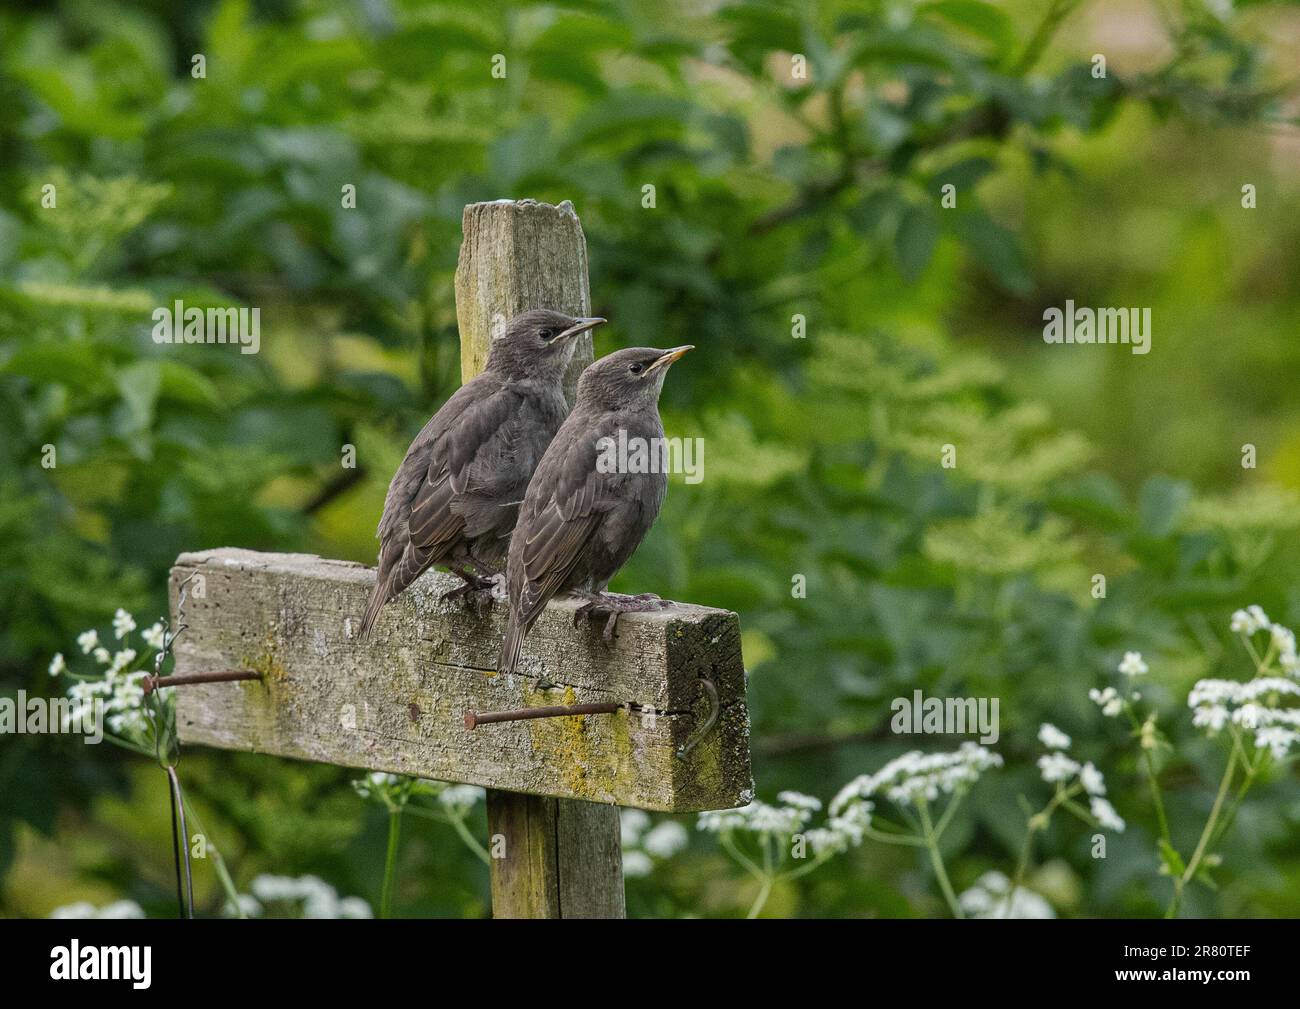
(1133,664)
(123,623)
(461,798)
(1252,705)
(758,818)
(918,776)
(57,664)
(155,636)
(88,641)
(632,824)
(1053,738)
(1278,739)
(1109,700)
(1058,767)
(311,896)
(372,785)
(121,660)
(799,800)
(637,864)
(1105,814)
(988,899)
(665,839)
(1093,781)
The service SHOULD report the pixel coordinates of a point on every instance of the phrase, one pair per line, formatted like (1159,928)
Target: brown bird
(455,498)
(583,518)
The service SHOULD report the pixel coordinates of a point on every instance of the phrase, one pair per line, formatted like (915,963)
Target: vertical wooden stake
(562,857)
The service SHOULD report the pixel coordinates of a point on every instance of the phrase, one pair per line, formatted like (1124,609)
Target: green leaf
(996,249)
(964,174)
(181,382)
(982,19)
(914,242)
(1161,502)
(139,384)
(72,364)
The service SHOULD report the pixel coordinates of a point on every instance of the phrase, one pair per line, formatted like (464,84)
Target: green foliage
(777,195)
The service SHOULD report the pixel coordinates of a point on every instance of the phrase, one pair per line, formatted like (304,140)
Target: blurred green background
(775,196)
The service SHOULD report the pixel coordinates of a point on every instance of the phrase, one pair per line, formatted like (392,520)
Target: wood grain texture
(517,256)
(566,846)
(396,701)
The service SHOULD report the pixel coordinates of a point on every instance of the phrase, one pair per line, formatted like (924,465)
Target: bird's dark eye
(548,334)
(637,368)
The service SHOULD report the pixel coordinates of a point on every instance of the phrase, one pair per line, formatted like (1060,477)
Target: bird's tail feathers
(377,599)
(512,648)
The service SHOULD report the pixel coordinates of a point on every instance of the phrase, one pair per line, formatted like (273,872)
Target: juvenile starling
(455,498)
(583,518)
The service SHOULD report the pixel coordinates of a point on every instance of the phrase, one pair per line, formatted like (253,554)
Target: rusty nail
(474,719)
(152,683)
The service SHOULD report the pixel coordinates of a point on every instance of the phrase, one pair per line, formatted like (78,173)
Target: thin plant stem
(764,891)
(908,839)
(1057,12)
(953,802)
(744,860)
(1155,795)
(218,862)
(1203,844)
(459,825)
(390,863)
(936,860)
(1037,822)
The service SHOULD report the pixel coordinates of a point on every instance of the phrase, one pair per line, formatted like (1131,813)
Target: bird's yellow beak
(668,357)
(581,326)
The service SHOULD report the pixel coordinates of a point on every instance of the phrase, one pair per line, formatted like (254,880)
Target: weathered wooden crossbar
(397,701)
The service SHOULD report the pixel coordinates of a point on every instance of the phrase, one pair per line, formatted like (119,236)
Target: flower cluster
(1282,642)
(1254,706)
(843,830)
(918,776)
(376,784)
(845,827)
(759,817)
(118,685)
(1109,700)
(459,799)
(1059,768)
(396,790)
(644,845)
(305,897)
(84,909)
(987,898)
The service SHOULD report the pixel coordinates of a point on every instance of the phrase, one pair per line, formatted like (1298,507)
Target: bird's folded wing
(469,447)
(559,521)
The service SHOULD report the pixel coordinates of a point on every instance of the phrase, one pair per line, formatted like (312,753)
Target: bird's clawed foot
(479,591)
(611,604)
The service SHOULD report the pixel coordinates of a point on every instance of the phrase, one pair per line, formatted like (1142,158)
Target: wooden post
(562,857)
(679,741)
